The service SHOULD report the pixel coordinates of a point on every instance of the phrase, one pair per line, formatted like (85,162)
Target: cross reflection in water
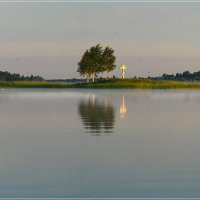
(123,108)
(97,116)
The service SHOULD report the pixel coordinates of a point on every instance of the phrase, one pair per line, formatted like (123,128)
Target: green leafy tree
(96,60)
(91,62)
(84,65)
(108,59)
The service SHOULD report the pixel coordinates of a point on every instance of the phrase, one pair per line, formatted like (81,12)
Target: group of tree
(96,60)
(7,76)
(185,76)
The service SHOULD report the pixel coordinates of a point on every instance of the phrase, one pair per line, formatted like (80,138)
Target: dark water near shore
(99,143)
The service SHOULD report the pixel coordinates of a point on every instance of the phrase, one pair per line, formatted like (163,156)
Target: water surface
(99,143)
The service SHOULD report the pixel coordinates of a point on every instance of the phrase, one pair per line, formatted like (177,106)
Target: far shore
(133,83)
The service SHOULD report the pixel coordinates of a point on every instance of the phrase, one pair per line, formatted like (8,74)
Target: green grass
(112,83)
(42,84)
(139,84)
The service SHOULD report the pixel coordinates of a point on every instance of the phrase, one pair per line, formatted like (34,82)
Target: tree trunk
(88,78)
(93,75)
(107,75)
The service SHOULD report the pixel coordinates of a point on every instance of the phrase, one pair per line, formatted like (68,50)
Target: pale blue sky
(149,38)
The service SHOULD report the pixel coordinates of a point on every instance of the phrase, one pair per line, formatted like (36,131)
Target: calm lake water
(99,143)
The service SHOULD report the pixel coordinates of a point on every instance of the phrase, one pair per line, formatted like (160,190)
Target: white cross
(123,67)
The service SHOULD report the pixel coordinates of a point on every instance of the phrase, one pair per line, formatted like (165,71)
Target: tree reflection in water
(97,117)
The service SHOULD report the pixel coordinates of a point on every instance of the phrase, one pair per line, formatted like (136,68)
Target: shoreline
(107,84)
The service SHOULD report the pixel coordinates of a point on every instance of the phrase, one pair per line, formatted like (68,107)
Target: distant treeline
(185,76)
(7,76)
(71,80)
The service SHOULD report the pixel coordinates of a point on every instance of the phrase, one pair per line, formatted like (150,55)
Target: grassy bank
(140,84)
(41,84)
(112,83)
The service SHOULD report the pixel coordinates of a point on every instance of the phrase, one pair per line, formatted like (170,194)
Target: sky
(48,39)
